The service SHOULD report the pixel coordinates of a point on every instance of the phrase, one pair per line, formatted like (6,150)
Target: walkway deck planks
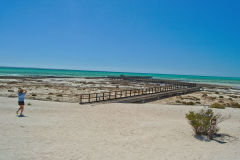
(171,88)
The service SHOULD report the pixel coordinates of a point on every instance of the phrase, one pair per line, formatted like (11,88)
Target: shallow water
(13,71)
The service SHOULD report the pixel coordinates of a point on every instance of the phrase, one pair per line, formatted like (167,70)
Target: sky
(199,37)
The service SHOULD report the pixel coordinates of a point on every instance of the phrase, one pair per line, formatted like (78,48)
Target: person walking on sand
(21,96)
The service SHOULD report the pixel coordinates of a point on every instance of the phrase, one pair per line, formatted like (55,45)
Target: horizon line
(68,69)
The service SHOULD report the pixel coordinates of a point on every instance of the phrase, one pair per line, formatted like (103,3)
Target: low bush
(204,95)
(221,97)
(212,98)
(178,101)
(232,96)
(216,92)
(49,98)
(29,104)
(234,105)
(188,103)
(217,105)
(59,95)
(200,120)
(34,95)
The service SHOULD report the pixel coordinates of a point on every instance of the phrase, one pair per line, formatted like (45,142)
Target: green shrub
(234,105)
(212,98)
(178,101)
(34,95)
(49,98)
(59,95)
(233,96)
(204,95)
(217,105)
(200,121)
(188,103)
(29,104)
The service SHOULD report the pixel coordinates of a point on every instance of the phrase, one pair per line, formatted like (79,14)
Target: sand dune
(57,130)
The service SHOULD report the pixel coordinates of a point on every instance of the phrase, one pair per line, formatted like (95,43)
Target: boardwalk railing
(107,96)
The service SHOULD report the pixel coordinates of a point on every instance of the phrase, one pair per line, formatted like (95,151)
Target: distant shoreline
(46,77)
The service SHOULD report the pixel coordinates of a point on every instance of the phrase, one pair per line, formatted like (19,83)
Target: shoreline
(201,84)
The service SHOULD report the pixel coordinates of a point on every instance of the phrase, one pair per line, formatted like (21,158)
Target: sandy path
(54,130)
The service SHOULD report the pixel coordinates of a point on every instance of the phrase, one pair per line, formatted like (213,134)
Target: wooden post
(89,96)
(80,99)
(103,96)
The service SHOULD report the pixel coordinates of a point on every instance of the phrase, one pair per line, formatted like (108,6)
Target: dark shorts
(20,102)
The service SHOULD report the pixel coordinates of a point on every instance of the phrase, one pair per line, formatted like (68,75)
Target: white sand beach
(60,130)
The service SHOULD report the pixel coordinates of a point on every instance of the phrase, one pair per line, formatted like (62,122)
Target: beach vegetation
(34,95)
(232,96)
(59,95)
(217,105)
(234,105)
(221,97)
(50,93)
(200,120)
(212,98)
(216,92)
(178,101)
(47,85)
(185,103)
(188,103)
(204,95)
(49,98)
(29,104)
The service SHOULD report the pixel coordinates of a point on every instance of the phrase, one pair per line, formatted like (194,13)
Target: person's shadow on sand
(220,138)
(21,115)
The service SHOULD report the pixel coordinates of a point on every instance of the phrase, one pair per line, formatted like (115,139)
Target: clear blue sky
(158,36)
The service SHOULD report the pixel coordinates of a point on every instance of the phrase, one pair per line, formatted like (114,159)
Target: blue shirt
(21,97)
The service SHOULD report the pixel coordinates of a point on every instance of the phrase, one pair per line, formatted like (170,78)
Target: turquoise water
(12,71)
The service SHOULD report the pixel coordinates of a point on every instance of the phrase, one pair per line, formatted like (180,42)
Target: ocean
(14,71)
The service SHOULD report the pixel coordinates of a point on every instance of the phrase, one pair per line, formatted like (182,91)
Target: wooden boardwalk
(170,88)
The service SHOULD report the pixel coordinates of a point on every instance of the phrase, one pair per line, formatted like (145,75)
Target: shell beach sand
(61,130)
